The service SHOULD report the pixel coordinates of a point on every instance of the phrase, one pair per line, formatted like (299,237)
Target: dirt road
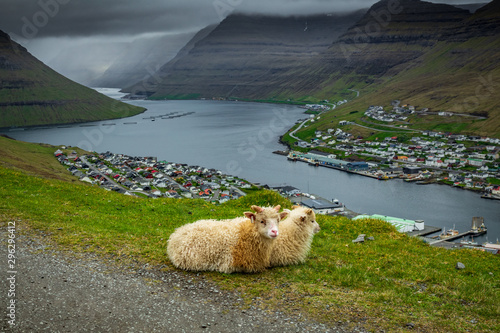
(58,291)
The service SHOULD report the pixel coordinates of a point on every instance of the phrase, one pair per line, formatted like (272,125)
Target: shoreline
(485,195)
(424,235)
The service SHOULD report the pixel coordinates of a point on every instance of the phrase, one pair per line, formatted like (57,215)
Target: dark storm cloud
(51,18)
(79,18)
(93,33)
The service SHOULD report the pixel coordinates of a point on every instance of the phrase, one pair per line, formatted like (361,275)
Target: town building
(323,206)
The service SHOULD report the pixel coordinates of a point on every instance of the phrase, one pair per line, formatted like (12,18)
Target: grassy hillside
(33,94)
(385,284)
(446,66)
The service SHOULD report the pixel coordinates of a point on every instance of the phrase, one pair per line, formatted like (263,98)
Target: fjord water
(238,138)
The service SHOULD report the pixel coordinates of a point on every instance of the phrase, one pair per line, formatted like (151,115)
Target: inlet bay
(238,138)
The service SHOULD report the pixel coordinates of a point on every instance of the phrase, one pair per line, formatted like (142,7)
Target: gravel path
(61,292)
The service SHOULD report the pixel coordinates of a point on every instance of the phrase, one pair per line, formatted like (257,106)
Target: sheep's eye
(263,222)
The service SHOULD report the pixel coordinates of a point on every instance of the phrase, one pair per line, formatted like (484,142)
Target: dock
(490,196)
(360,173)
(457,236)
(428,230)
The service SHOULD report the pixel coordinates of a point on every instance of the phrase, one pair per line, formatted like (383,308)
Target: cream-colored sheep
(243,245)
(296,235)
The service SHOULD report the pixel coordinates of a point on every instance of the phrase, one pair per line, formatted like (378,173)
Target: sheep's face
(266,220)
(306,219)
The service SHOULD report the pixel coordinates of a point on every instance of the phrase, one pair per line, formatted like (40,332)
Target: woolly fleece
(225,246)
(296,235)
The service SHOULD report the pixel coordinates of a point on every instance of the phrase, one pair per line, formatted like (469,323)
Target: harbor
(413,228)
(317,158)
(446,238)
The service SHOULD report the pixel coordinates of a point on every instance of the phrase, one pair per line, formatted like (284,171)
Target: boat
(313,163)
(488,242)
(412,179)
(469,242)
(447,234)
(478,227)
(494,246)
(292,157)
(490,196)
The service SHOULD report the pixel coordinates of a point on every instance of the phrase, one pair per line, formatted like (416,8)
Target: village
(465,161)
(147,177)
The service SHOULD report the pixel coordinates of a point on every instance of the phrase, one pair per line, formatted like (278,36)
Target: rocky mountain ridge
(243,52)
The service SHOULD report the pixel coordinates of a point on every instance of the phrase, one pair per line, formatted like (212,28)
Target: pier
(477,228)
(457,236)
(337,165)
(490,196)
(428,230)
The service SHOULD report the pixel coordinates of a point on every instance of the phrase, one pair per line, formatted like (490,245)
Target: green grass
(382,284)
(493,181)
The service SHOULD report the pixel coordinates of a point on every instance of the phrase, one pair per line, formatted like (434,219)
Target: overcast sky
(46,26)
(83,18)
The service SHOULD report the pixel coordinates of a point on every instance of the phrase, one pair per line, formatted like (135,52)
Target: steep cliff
(33,94)
(244,55)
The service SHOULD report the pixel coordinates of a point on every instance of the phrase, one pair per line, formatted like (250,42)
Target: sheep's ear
(250,215)
(295,206)
(284,214)
(257,208)
(309,211)
(277,208)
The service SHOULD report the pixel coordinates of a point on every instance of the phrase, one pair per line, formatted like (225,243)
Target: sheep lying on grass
(243,245)
(296,235)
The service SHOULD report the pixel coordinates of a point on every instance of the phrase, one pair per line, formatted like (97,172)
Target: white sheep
(243,245)
(296,235)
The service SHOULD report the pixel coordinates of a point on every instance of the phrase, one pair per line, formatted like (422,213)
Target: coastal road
(292,134)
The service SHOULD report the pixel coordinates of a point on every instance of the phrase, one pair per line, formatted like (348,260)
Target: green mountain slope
(33,94)
(449,65)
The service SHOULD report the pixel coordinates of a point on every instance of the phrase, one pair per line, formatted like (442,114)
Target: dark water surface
(238,138)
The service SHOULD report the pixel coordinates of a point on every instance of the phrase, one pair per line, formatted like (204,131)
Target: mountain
(33,94)
(381,41)
(432,55)
(471,7)
(429,55)
(238,57)
(140,59)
